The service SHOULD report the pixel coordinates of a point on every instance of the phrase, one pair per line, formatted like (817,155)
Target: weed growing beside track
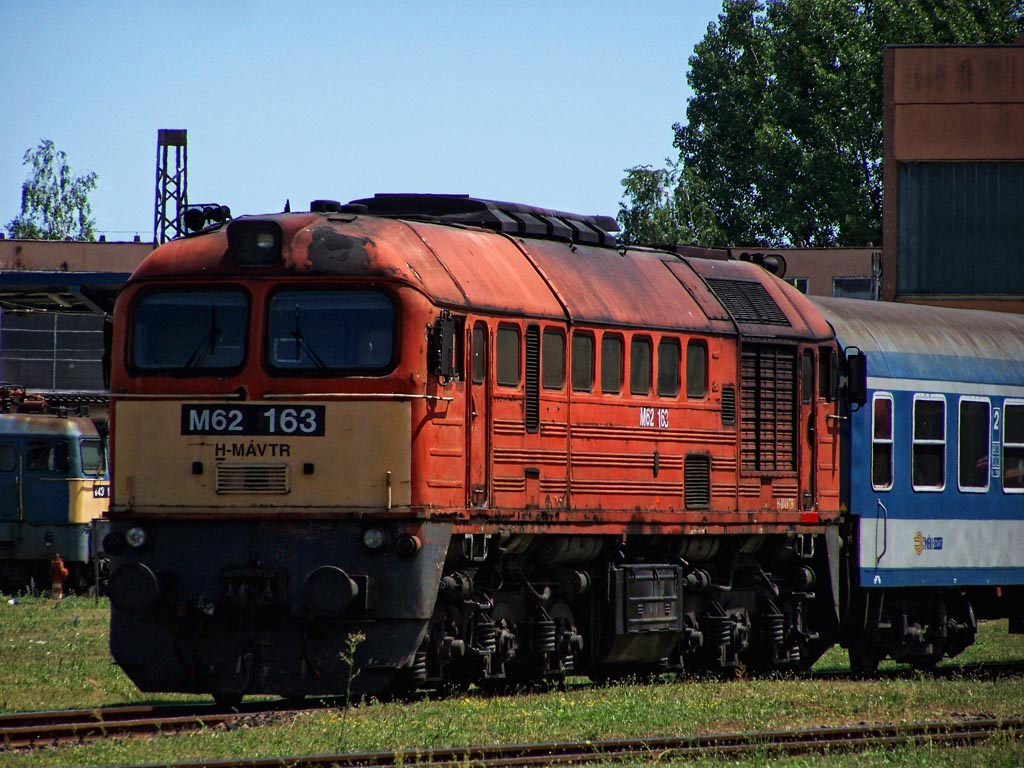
(54,655)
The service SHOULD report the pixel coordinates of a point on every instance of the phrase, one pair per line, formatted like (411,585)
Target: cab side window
(696,369)
(582,361)
(640,366)
(507,356)
(611,363)
(552,359)
(668,367)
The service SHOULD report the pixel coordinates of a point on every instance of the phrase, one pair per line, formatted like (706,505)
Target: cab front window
(337,330)
(189,330)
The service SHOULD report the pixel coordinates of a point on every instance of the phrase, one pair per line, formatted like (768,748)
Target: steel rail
(27,729)
(33,729)
(660,748)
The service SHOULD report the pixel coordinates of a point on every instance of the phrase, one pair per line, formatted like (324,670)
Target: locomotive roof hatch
(507,218)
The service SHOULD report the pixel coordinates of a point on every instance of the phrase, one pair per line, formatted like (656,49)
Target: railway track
(654,749)
(45,728)
(30,729)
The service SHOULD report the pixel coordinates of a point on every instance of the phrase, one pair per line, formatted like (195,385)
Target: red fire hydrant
(58,572)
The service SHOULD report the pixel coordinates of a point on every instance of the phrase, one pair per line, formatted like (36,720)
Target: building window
(507,355)
(696,369)
(668,367)
(582,362)
(973,438)
(1013,447)
(800,283)
(929,449)
(611,363)
(640,366)
(553,359)
(853,287)
(881,442)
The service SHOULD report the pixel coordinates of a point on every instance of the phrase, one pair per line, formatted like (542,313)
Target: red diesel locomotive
(425,440)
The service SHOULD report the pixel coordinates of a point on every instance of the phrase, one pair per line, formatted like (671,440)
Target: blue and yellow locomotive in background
(54,488)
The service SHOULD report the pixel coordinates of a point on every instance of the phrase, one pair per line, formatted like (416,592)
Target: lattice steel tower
(171,185)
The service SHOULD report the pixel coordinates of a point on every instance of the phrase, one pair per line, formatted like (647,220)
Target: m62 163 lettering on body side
(255,419)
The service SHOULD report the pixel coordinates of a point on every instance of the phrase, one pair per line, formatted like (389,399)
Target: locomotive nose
(330,591)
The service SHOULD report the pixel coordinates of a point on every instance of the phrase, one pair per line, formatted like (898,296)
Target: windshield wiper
(208,344)
(302,344)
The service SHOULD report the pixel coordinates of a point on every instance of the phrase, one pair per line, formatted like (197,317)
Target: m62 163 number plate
(253,419)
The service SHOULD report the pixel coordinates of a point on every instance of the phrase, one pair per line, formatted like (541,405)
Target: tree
(54,203)
(783,139)
(668,207)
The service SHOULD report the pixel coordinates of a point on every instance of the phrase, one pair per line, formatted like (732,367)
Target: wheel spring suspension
(546,636)
(487,636)
(419,666)
(720,630)
(775,628)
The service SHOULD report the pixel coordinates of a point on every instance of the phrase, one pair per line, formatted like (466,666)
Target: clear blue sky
(536,102)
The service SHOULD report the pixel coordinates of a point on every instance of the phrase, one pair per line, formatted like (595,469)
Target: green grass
(54,655)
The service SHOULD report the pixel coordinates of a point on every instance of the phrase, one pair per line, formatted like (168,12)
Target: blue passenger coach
(932,474)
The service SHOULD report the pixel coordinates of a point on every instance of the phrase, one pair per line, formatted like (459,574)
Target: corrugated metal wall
(52,350)
(961,228)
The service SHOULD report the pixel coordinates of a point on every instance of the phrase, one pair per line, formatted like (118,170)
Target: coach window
(929,448)
(973,446)
(507,355)
(668,367)
(640,365)
(881,442)
(479,352)
(552,363)
(582,362)
(696,368)
(611,363)
(1013,447)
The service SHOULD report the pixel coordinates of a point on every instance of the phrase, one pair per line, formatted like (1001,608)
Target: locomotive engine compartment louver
(244,477)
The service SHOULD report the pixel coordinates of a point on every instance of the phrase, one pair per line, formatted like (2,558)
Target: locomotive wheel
(926,662)
(864,661)
(227,700)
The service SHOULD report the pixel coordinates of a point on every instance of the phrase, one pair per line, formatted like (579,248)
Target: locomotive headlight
(374,539)
(136,537)
(255,242)
(408,544)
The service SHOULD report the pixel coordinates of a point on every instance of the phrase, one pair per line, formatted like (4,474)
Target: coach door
(477,416)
